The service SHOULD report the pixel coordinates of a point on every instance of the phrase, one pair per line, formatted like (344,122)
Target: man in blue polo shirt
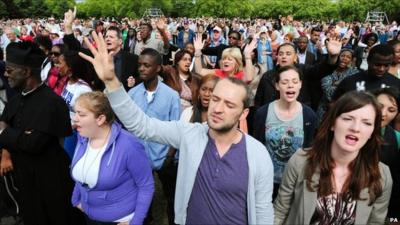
(159,101)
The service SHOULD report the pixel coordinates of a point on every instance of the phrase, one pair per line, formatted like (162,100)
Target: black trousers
(45,189)
(167,176)
(94,222)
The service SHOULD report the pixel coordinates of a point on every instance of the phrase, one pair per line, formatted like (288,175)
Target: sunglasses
(55,53)
(232,37)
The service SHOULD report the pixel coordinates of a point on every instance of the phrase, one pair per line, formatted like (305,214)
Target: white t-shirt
(187,114)
(302,57)
(71,92)
(86,170)
(150,96)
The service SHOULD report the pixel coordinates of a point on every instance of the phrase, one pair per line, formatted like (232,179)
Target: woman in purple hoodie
(113,179)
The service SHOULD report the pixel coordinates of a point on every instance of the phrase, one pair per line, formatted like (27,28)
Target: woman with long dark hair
(130,41)
(339,180)
(389,100)
(179,77)
(77,71)
(198,112)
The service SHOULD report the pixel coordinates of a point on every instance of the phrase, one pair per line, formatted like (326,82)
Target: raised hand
(69,16)
(250,47)
(102,61)
(131,81)
(198,43)
(160,24)
(333,45)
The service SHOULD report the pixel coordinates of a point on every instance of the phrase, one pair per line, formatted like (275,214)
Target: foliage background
(300,9)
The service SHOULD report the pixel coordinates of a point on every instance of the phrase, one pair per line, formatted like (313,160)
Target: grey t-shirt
(283,138)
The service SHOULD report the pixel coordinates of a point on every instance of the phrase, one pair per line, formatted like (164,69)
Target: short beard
(225,129)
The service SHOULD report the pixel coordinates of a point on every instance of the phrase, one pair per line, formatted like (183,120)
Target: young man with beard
(158,101)
(31,127)
(224,175)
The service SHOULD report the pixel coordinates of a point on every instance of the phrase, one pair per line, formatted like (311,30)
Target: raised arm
(133,118)
(334,46)
(198,46)
(249,69)
(161,28)
(69,17)
(69,38)
(314,73)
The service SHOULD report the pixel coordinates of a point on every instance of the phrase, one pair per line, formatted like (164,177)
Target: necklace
(84,175)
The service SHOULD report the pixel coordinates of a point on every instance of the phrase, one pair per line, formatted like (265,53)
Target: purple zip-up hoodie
(125,183)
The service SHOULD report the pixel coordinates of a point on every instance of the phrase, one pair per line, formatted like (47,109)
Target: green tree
(232,8)
(300,9)
(121,8)
(3,9)
(39,9)
(182,8)
(350,11)
(307,9)
(59,7)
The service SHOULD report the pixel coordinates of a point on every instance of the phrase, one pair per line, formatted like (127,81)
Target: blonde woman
(231,62)
(113,179)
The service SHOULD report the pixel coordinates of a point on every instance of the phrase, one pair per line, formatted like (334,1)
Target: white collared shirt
(302,57)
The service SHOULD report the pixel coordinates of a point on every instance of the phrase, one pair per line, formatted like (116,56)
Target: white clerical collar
(28,92)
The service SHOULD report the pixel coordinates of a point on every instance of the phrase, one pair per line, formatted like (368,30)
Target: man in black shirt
(31,127)
(379,60)
(125,62)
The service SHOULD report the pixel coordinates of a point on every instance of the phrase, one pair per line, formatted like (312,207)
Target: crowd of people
(242,121)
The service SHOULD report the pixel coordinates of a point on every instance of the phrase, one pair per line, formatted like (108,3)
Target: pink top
(221,74)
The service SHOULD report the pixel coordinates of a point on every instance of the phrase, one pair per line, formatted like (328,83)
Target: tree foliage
(348,9)
(121,8)
(58,7)
(300,9)
(232,8)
